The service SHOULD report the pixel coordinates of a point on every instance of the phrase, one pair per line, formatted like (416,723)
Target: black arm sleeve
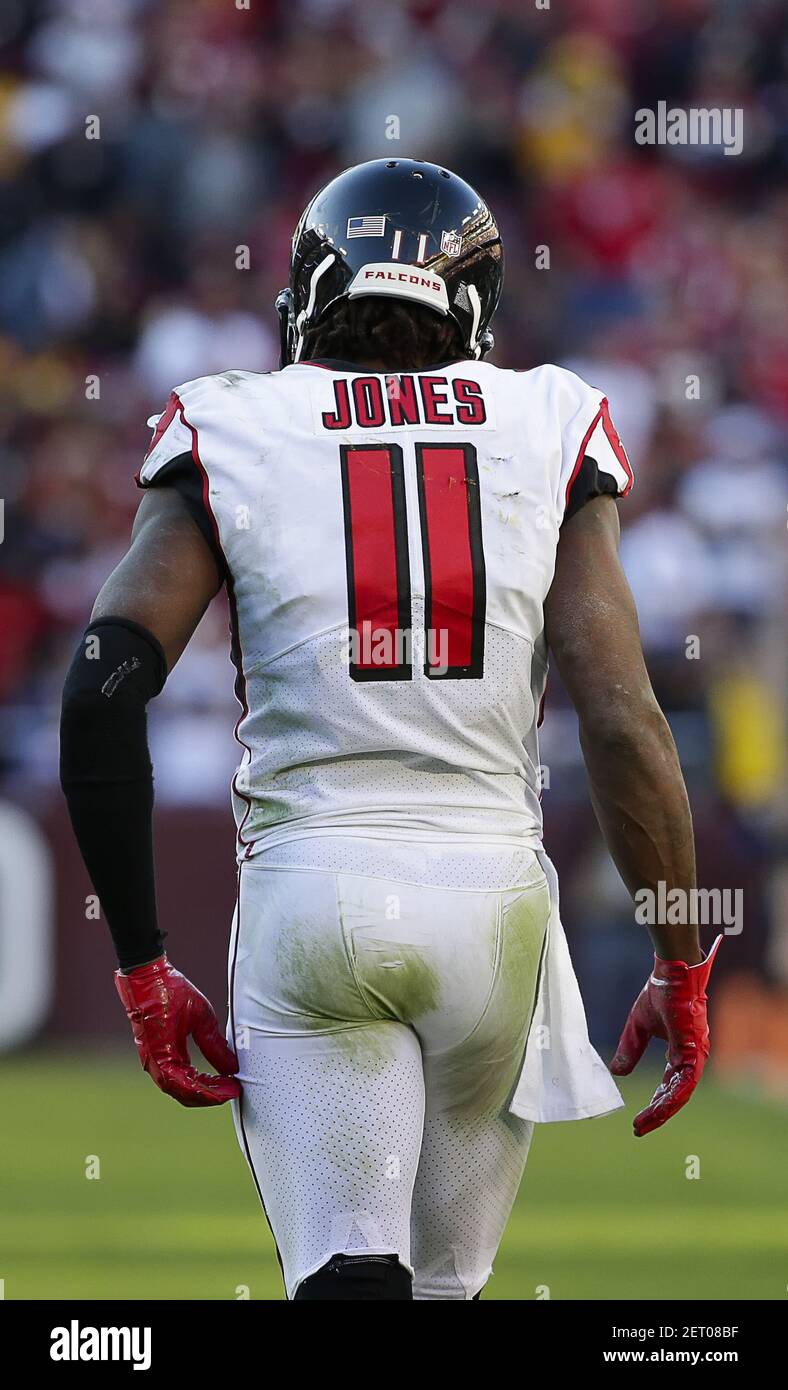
(106,775)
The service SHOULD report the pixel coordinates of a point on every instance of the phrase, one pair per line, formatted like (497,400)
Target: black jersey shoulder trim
(183,474)
(589,481)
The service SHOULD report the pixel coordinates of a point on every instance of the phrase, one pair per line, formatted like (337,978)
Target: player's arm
(142,619)
(167,577)
(637,787)
(636,781)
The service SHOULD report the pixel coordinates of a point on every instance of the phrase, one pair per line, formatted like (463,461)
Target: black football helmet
(400,227)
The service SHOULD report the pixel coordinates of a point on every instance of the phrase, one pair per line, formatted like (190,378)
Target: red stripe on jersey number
(454,571)
(376,553)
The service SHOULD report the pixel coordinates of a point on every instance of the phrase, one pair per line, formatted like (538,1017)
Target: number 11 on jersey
(378,565)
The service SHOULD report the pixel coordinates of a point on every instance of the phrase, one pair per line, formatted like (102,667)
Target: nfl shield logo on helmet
(451,243)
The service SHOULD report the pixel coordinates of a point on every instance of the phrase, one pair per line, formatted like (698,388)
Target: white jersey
(388,544)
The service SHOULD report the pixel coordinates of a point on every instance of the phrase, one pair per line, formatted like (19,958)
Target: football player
(405,533)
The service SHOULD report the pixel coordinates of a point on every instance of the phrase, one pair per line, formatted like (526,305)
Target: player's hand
(164,1009)
(672,1006)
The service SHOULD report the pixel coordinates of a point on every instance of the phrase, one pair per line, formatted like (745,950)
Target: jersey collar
(333,364)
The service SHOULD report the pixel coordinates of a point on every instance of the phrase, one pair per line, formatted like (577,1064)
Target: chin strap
(485,344)
(283,305)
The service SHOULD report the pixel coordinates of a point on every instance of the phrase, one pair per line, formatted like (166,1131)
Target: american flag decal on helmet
(366,226)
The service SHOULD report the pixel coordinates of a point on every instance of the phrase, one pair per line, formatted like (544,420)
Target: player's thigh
(331,1125)
(474,1150)
(469,1173)
(332,1108)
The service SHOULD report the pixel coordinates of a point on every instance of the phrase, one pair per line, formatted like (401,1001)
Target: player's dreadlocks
(404,337)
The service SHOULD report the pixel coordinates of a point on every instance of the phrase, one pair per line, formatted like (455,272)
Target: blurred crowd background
(667,286)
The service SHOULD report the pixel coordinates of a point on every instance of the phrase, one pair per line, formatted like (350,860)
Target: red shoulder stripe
(581,453)
(616,445)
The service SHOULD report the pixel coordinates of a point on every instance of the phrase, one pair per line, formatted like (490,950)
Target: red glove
(164,1009)
(671,1005)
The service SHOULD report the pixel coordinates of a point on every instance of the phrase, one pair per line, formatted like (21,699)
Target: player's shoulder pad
(190,408)
(210,392)
(563,389)
(589,454)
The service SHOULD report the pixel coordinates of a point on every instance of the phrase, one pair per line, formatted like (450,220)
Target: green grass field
(174,1214)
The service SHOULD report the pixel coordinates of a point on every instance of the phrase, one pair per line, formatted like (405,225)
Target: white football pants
(381,1026)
